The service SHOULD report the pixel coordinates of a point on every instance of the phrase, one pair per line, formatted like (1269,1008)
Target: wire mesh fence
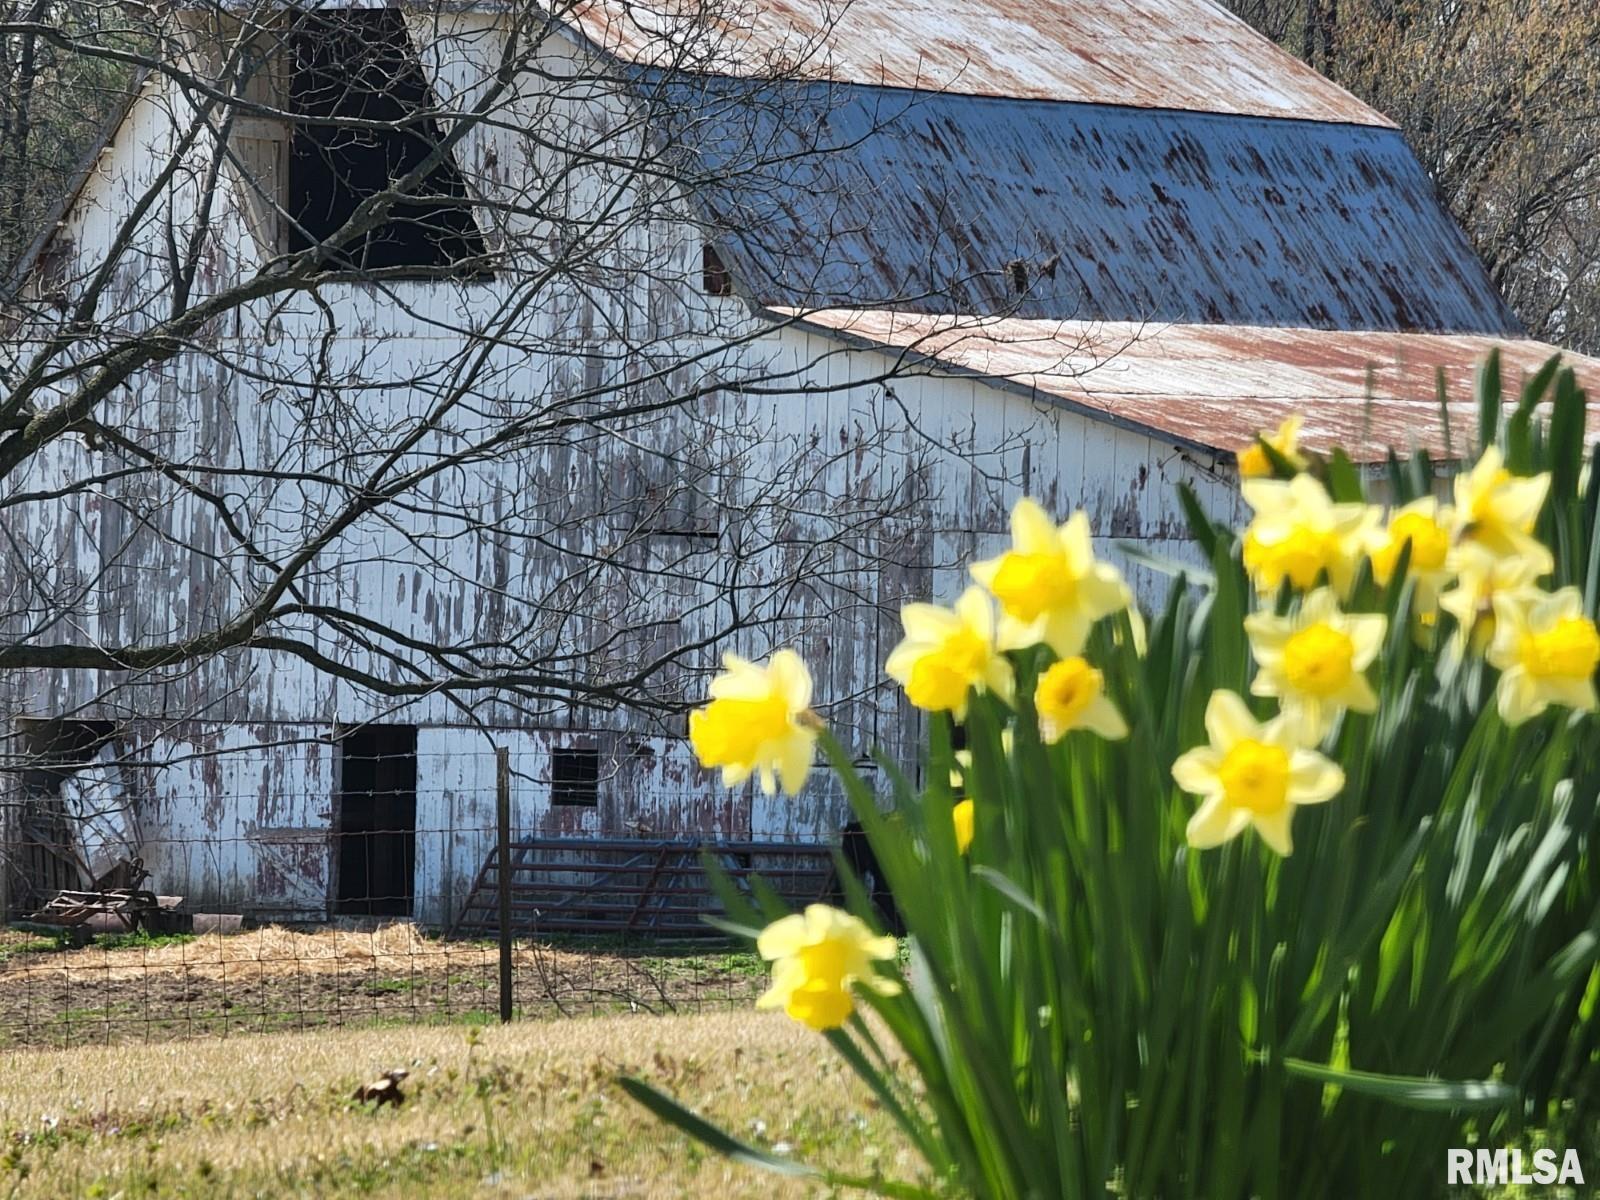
(137,920)
(144,986)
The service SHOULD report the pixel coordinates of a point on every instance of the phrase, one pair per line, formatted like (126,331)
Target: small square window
(575,778)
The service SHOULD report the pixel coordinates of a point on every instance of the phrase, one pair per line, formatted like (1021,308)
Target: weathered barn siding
(252,828)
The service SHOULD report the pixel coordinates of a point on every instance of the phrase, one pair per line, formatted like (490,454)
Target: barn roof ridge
(1180,55)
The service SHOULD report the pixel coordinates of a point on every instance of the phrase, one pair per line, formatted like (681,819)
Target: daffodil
(963,815)
(1497,509)
(1050,587)
(1253,774)
(1253,460)
(947,652)
(1314,660)
(816,957)
(1425,526)
(759,721)
(1481,575)
(1071,695)
(1547,650)
(1298,533)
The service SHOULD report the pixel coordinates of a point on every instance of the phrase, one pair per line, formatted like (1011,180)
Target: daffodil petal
(1103,718)
(1312,778)
(928,622)
(1214,823)
(1228,720)
(1274,829)
(1032,530)
(782,938)
(1195,771)
(793,679)
(795,763)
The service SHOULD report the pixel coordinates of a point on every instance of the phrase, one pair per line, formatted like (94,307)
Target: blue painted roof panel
(868,197)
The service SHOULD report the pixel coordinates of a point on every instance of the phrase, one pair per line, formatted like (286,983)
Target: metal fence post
(503,873)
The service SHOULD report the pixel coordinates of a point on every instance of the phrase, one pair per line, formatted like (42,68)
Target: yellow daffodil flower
(1252,774)
(1253,461)
(1049,585)
(1425,525)
(1547,650)
(1480,576)
(816,956)
(964,815)
(947,652)
(759,721)
(1071,695)
(1314,661)
(1299,532)
(1497,509)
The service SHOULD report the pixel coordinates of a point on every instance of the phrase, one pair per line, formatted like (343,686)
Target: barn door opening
(50,845)
(375,823)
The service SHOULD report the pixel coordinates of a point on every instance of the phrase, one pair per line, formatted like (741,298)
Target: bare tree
(389,363)
(1501,101)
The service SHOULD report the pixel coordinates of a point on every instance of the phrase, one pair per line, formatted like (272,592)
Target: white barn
(721,331)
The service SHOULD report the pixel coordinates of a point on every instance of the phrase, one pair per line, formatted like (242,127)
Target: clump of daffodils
(1030,617)
(1183,906)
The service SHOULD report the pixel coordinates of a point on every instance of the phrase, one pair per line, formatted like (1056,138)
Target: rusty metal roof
(864,197)
(1214,386)
(1177,54)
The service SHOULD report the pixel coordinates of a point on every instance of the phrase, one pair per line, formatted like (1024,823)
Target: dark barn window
(375,824)
(715,278)
(575,777)
(359,65)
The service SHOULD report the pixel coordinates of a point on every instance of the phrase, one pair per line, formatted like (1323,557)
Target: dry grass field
(526,1110)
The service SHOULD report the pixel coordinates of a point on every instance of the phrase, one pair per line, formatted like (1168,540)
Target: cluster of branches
(1501,101)
(53,103)
(465,430)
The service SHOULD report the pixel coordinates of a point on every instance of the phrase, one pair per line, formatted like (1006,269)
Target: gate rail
(629,886)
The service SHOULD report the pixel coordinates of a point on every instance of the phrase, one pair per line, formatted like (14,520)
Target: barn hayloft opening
(375,821)
(351,65)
